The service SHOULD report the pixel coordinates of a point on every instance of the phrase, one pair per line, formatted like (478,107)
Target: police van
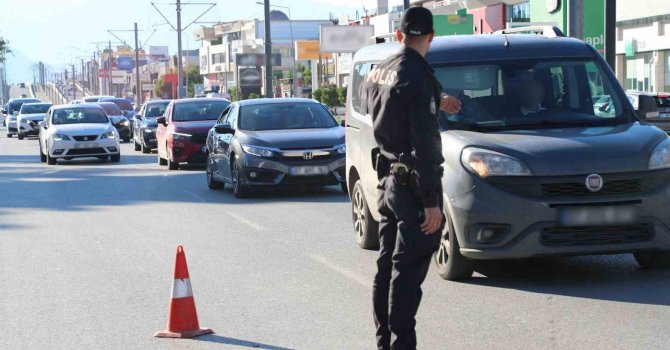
(534,165)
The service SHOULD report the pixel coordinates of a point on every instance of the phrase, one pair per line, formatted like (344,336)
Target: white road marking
(51,172)
(352,275)
(195,195)
(246,221)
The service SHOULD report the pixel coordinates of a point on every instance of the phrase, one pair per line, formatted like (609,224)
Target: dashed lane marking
(346,272)
(246,221)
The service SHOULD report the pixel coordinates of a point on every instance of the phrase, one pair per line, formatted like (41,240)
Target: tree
(316,94)
(4,50)
(342,95)
(158,88)
(330,97)
(194,77)
(234,94)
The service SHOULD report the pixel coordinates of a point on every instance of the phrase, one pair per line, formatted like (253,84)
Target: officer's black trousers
(404,258)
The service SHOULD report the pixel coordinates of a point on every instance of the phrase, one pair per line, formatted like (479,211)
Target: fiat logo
(308,155)
(594,182)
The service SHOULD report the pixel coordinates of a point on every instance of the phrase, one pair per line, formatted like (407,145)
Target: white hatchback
(78,131)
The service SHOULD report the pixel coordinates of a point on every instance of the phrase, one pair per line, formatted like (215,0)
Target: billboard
(158,51)
(453,24)
(594,24)
(256,59)
(309,50)
(251,77)
(124,63)
(341,39)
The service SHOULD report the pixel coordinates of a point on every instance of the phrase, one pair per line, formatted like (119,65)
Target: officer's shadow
(215,338)
(614,278)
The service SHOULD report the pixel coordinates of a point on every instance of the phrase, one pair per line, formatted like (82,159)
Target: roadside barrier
(182,316)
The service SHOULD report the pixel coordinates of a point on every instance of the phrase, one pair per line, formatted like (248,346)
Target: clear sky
(60,32)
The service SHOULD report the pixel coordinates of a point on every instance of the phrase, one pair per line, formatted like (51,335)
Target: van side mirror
(224,129)
(647,107)
(43,124)
(161,120)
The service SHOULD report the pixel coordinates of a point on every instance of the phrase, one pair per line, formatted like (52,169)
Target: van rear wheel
(365,226)
(451,265)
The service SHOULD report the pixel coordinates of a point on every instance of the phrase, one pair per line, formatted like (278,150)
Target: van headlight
(487,163)
(660,157)
(257,151)
(108,135)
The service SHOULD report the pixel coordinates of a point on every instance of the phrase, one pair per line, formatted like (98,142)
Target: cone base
(187,334)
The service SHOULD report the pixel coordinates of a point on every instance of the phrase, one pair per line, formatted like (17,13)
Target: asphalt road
(87,253)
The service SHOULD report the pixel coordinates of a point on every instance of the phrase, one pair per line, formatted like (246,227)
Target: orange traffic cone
(182,317)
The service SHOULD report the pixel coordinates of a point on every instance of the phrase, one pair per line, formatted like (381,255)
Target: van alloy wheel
(451,265)
(365,226)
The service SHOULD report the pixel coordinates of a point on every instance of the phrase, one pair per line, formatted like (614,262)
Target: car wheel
(137,146)
(50,160)
(126,140)
(239,190)
(19,136)
(9,136)
(211,182)
(43,157)
(172,165)
(653,260)
(365,226)
(115,158)
(451,265)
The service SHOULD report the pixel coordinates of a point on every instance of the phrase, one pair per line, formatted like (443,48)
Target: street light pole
(180,71)
(293,56)
(268,52)
(109,68)
(138,87)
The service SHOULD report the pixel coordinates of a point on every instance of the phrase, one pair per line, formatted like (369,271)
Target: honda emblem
(85,138)
(308,155)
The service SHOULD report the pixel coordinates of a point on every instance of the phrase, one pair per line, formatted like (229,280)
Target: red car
(182,131)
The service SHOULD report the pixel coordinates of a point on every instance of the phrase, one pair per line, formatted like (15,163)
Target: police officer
(403,98)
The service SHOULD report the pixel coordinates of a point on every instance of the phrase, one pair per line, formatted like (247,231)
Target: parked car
(144,127)
(78,131)
(118,119)
(96,98)
(275,142)
(663,104)
(13,108)
(559,179)
(652,117)
(182,130)
(29,117)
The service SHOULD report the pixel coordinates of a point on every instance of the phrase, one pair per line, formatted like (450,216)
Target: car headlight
(258,151)
(486,163)
(61,137)
(342,149)
(181,137)
(108,135)
(660,157)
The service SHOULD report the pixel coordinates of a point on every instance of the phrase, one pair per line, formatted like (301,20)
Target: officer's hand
(433,220)
(450,104)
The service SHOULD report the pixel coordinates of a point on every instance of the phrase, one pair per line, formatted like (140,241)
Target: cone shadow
(214,338)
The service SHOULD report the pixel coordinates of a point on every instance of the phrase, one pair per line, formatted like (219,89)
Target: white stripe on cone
(181,288)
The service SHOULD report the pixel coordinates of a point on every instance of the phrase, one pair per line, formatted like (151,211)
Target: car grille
(85,138)
(593,235)
(85,151)
(617,187)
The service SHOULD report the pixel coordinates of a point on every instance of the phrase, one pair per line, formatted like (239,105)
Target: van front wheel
(365,226)
(451,265)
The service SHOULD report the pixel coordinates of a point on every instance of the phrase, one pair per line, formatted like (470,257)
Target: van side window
(358,100)
(601,93)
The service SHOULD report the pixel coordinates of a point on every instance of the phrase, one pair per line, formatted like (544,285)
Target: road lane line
(51,172)
(352,275)
(246,221)
(195,195)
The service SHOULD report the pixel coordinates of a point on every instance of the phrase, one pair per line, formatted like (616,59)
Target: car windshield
(16,106)
(123,104)
(111,109)
(79,116)
(531,94)
(198,110)
(281,116)
(156,109)
(34,108)
(663,101)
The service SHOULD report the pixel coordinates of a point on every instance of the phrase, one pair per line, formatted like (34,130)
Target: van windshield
(531,94)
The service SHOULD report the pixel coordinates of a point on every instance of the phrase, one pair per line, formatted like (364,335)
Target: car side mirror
(343,123)
(125,113)
(161,120)
(43,124)
(647,107)
(224,129)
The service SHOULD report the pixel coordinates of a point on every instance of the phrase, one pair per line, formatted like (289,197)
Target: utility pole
(610,33)
(138,84)
(406,4)
(74,85)
(179,30)
(269,91)
(109,67)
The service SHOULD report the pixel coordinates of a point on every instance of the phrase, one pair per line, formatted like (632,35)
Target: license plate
(309,170)
(599,216)
(664,115)
(80,145)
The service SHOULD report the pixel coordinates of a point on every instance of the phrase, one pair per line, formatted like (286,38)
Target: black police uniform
(403,98)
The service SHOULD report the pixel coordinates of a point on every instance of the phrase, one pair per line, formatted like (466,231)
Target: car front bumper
(79,149)
(189,152)
(28,129)
(11,126)
(259,171)
(531,227)
(149,139)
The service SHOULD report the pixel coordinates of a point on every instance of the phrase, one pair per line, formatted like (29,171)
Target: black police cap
(417,21)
